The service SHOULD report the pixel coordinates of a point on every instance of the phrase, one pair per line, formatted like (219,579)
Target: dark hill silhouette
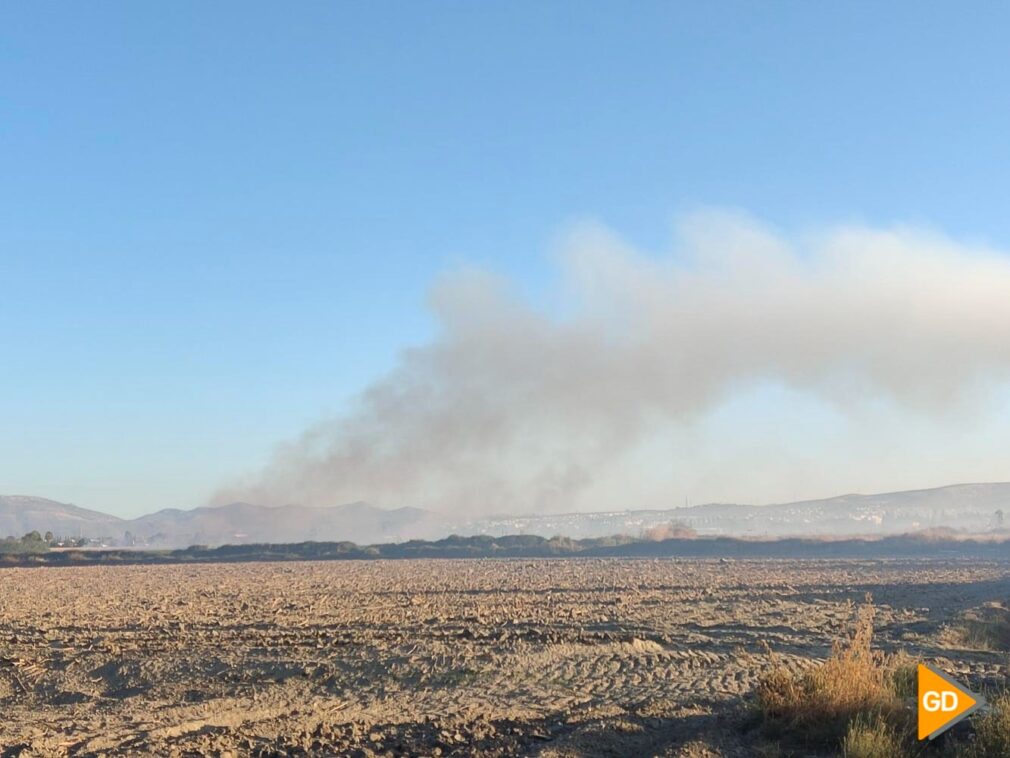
(913,546)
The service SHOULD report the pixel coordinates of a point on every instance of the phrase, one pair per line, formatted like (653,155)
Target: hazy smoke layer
(517,408)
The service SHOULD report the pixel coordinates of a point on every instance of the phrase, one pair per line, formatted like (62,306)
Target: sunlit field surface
(500,657)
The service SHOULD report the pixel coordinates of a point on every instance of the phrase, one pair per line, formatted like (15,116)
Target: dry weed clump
(992,732)
(856,685)
(874,737)
(986,628)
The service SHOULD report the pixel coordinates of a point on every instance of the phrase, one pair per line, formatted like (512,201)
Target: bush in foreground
(855,700)
(992,732)
(986,628)
(857,703)
(817,706)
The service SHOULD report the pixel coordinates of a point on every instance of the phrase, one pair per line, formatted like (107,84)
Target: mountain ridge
(972,506)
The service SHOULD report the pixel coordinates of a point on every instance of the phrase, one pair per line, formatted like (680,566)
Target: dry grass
(874,737)
(986,628)
(857,687)
(670,531)
(992,732)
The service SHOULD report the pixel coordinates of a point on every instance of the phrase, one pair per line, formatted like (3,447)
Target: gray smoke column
(518,408)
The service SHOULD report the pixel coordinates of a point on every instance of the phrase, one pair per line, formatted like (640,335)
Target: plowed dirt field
(469,657)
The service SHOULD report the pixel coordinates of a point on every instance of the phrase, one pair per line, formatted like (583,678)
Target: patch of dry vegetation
(874,737)
(858,701)
(992,732)
(856,698)
(986,628)
(674,530)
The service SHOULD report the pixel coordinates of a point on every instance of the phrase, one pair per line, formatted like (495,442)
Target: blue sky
(218,222)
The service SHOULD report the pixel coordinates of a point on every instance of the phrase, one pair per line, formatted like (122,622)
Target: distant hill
(243,523)
(21,514)
(236,523)
(969,507)
(966,507)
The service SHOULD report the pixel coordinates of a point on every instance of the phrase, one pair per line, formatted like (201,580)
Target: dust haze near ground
(490,657)
(613,389)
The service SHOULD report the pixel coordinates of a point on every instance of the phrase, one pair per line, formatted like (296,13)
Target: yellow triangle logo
(942,702)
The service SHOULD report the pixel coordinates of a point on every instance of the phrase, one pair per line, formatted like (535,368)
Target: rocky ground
(486,657)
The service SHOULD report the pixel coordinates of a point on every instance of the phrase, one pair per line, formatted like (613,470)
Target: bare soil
(438,657)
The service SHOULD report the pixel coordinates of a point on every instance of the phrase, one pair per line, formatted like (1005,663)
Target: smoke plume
(614,384)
